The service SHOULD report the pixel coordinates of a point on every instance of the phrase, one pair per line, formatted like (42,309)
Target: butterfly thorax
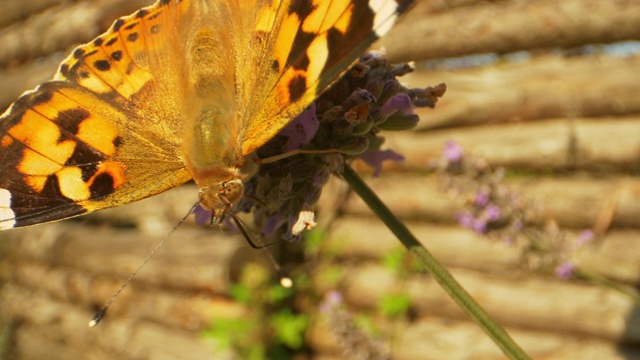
(213,164)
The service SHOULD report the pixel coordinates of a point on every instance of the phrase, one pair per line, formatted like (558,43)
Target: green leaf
(290,328)
(278,293)
(240,293)
(395,305)
(394,260)
(225,331)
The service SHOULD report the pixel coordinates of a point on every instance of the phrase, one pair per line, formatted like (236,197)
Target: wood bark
(543,87)
(509,26)
(565,128)
(61,27)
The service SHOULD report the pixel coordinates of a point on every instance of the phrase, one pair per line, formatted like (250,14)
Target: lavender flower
(495,210)
(355,342)
(301,130)
(453,151)
(342,125)
(565,270)
(374,158)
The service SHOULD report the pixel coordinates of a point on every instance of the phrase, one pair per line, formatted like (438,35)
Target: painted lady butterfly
(181,90)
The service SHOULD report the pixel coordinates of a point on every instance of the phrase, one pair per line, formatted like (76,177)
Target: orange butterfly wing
(170,90)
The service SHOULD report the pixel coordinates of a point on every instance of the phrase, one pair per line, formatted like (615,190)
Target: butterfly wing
(109,129)
(298,49)
(106,131)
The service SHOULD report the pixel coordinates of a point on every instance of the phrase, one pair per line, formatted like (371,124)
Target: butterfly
(178,91)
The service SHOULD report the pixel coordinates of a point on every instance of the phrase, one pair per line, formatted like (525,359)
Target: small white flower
(305,222)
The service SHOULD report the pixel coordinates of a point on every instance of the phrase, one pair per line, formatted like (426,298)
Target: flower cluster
(341,125)
(355,342)
(492,209)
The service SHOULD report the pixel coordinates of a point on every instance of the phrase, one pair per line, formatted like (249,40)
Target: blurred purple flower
(302,129)
(493,212)
(398,103)
(565,270)
(518,225)
(273,222)
(331,300)
(453,151)
(482,198)
(334,297)
(374,158)
(203,217)
(479,226)
(584,238)
(321,176)
(465,219)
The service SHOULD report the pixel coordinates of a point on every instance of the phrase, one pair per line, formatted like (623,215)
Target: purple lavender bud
(584,238)
(565,270)
(374,158)
(320,176)
(302,129)
(272,223)
(398,103)
(203,217)
(518,225)
(331,300)
(493,212)
(465,219)
(482,198)
(480,226)
(334,297)
(453,151)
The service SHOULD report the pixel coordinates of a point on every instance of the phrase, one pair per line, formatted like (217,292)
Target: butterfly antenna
(285,281)
(100,314)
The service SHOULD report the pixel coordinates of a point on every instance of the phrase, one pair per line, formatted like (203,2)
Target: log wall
(560,116)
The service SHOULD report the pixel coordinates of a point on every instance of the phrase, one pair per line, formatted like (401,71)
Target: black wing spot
(102,185)
(297,86)
(117,141)
(131,26)
(40,97)
(117,25)
(116,55)
(102,65)
(154,16)
(78,53)
(64,69)
(111,41)
(70,119)
(132,37)
(141,13)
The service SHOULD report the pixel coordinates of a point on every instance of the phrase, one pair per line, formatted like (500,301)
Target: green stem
(439,272)
(603,281)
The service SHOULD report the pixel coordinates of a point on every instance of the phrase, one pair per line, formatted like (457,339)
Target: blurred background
(541,109)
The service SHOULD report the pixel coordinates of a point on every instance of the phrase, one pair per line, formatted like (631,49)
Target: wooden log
(63,328)
(115,254)
(556,144)
(572,202)
(616,256)
(19,79)
(522,25)
(13,11)
(525,302)
(437,338)
(540,88)
(49,31)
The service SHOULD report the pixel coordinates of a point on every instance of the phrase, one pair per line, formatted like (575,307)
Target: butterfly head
(218,199)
